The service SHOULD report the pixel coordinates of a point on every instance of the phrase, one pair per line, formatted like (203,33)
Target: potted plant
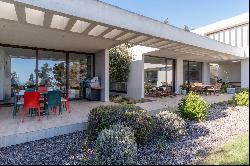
(183,89)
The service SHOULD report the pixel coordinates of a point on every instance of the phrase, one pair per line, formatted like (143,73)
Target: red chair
(65,102)
(31,101)
(42,89)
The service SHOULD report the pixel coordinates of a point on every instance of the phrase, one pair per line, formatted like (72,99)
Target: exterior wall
(5,76)
(245,73)
(179,74)
(236,36)
(205,73)
(135,86)
(230,72)
(102,71)
(233,31)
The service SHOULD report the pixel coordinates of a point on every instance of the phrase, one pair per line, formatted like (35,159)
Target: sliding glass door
(192,72)
(159,71)
(79,69)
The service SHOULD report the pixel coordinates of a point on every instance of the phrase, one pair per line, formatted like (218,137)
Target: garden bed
(221,124)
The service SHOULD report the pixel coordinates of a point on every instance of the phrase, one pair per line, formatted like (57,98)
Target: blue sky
(193,13)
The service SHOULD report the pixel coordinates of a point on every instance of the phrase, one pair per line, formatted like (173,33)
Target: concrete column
(205,73)
(135,86)
(245,73)
(5,76)
(102,71)
(178,75)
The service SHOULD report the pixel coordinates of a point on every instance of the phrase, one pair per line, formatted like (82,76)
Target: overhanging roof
(90,25)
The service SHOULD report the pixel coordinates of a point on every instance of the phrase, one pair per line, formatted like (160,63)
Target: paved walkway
(171,103)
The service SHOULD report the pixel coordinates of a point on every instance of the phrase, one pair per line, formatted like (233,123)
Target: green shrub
(241,98)
(169,125)
(115,146)
(142,124)
(103,117)
(193,107)
(116,99)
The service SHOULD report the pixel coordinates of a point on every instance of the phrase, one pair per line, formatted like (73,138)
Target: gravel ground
(60,150)
(222,123)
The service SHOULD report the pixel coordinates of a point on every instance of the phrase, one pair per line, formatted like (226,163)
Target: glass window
(155,71)
(158,71)
(192,71)
(52,69)
(79,69)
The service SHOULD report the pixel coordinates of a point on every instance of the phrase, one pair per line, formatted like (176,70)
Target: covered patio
(13,131)
(64,30)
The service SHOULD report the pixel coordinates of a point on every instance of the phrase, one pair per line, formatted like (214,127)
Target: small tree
(119,63)
(60,74)
(165,21)
(14,79)
(31,79)
(186,28)
(44,74)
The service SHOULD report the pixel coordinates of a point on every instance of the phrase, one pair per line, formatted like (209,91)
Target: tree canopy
(119,63)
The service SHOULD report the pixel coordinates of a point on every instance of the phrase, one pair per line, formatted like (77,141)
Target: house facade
(175,65)
(83,31)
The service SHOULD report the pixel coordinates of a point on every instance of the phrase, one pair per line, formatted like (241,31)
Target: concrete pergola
(92,27)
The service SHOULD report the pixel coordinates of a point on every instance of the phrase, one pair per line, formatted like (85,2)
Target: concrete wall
(102,71)
(245,73)
(179,74)
(135,86)
(5,75)
(236,36)
(230,72)
(205,73)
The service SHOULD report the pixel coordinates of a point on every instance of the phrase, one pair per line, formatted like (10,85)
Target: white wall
(245,73)
(179,74)
(205,73)
(5,76)
(102,71)
(230,72)
(135,86)
(236,36)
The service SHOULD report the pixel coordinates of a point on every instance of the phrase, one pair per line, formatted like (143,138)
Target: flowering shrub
(103,117)
(142,124)
(115,146)
(241,98)
(193,107)
(169,125)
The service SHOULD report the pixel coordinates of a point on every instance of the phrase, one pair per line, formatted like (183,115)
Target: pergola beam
(141,41)
(20,12)
(106,32)
(70,24)
(131,38)
(120,35)
(47,19)
(169,45)
(151,41)
(90,27)
(159,44)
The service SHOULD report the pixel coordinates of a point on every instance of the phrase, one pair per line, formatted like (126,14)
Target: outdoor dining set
(167,90)
(39,101)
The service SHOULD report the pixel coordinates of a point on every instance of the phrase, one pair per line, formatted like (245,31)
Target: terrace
(13,131)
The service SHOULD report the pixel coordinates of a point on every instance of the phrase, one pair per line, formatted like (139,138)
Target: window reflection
(192,71)
(158,71)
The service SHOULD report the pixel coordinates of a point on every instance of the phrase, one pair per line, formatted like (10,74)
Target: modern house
(77,30)
(219,51)
(76,35)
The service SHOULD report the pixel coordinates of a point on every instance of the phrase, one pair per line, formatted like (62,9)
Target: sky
(193,13)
